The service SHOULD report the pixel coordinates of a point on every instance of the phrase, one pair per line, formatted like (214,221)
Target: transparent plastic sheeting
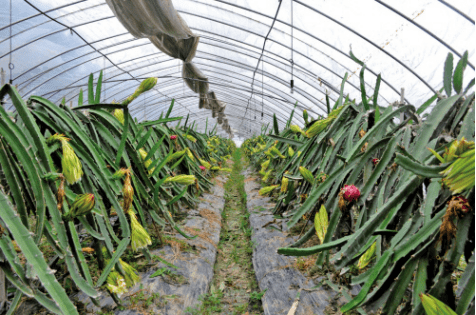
(56,44)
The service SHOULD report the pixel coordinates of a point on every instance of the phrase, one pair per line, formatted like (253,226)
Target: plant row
(92,173)
(390,190)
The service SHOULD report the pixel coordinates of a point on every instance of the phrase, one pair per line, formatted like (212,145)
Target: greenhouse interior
(237,157)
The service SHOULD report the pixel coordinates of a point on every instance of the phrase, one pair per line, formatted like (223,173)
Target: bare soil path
(234,290)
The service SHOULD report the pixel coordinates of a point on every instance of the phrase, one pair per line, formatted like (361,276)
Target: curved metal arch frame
(457,11)
(307,72)
(122,34)
(304,32)
(42,13)
(149,66)
(296,28)
(275,65)
(370,42)
(216,87)
(204,115)
(195,96)
(209,38)
(245,67)
(97,20)
(159,54)
(230,117)
(171,67)
(423,29)
(131,48)
(251,33)
(49,20)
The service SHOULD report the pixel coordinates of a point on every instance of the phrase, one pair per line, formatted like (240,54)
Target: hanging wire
(292,48)
(262,53)
(262,91)
(11,66)
(104,77)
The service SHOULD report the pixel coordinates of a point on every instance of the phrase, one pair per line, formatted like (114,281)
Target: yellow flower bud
(176,155)
(116,283)
(266,190)
(267,174)
(205,164)
(191,138)
(284,184)
(306,174)
(82,205)
(305,116)
(139,236)
(143,154)
(321,223)
(119,114)
(365,259)
(127,192)
(290,152)
(265,165)
(189,154)
(145,85)
(131,275)
(72,168)
(181,179)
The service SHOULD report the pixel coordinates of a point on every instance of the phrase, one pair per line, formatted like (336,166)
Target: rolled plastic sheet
(194,78)
(146,18)
(158,21)
(183,49)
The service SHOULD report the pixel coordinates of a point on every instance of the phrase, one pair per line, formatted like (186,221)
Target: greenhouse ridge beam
(424,30)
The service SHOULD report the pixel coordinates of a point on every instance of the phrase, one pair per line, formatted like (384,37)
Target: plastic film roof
(249,50)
